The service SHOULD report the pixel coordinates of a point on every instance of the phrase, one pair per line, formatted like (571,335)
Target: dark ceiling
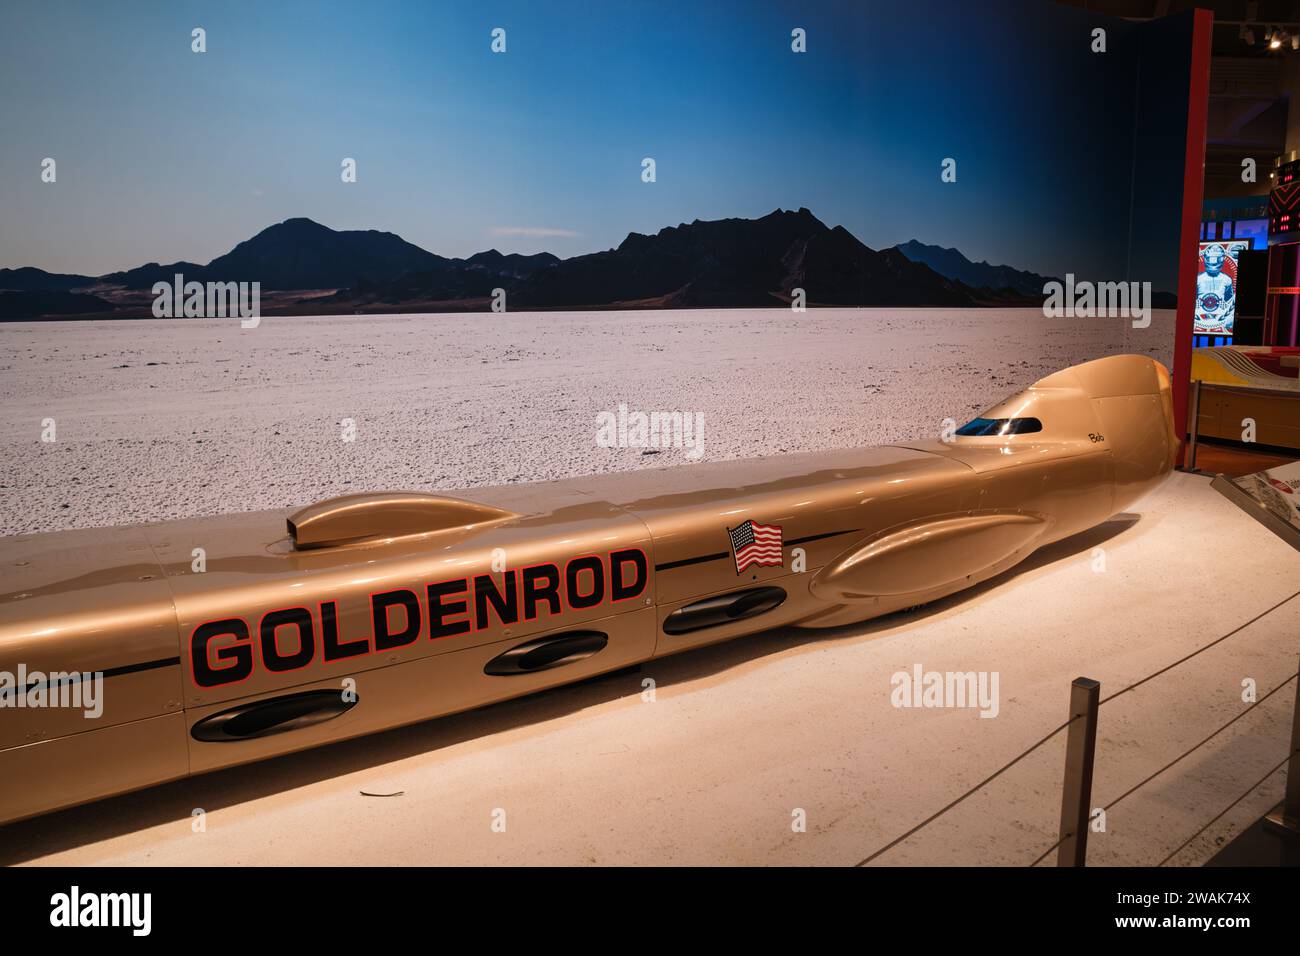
(1241,27)
(1254,72)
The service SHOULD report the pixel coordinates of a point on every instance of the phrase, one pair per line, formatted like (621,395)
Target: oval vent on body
(544,653)
(724,609)
(275,715)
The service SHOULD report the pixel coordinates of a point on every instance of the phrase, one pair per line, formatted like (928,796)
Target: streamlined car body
(219,641)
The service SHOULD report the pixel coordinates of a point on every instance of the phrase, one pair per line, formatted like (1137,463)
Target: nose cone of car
(1132,400)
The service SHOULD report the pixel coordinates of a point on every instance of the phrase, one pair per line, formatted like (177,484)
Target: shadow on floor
(173,802)
(1259,845)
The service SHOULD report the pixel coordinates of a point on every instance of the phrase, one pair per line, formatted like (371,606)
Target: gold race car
(219,641)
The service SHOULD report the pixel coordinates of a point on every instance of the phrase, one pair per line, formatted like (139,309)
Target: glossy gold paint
(865,532)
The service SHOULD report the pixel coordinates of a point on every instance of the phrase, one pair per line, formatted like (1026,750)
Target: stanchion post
(1286,818)
(1193,426)
(1076,795)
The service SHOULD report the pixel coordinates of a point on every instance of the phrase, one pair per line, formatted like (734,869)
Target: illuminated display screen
(1216,286)
(1256,230)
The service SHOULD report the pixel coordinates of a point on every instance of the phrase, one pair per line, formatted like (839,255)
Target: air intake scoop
(352,519)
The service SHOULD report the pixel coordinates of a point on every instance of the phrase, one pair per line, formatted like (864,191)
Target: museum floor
(741,737)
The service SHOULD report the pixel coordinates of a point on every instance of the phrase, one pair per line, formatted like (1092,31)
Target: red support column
(1198,96)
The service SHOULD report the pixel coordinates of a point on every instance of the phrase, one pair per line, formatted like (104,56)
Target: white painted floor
(740,735)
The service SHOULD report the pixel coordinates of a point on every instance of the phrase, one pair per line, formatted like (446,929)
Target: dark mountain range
(143,277)
(29,279)
(34,304)
(450,280)
(444,284)
(297,254)
(740,263)
(954,265)
(514,264)
(302,254)
(726,263)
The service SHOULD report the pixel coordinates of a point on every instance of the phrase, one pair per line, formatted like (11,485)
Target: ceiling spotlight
(1248,35)
(1295,41)
(1275,39)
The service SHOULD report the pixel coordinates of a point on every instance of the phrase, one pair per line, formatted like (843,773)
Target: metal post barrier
(1287,817)
(1076,796)
(1193,426)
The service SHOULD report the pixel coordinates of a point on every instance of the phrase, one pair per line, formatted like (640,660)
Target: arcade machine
(1249,372)
(1257,384)
(1282,309)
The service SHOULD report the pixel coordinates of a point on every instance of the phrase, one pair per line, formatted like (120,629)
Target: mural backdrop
(462,233)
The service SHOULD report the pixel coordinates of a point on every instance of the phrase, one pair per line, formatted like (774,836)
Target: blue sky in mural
(165,154)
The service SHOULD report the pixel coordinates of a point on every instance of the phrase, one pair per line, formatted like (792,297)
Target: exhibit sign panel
(1271,497)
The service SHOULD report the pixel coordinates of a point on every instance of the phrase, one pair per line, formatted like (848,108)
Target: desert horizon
(202,417)
(787,257)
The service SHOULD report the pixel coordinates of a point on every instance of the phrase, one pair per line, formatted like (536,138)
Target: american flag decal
(754,543)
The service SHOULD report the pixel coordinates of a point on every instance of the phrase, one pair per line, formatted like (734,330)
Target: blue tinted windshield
(1000,426)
